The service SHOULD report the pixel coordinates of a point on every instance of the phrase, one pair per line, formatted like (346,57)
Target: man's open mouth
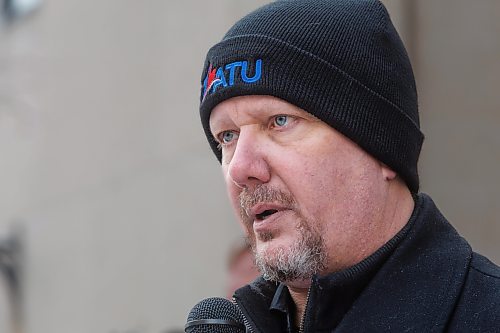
(265,214)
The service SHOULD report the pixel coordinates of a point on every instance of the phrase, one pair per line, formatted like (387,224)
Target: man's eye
(281,121)
(226,137)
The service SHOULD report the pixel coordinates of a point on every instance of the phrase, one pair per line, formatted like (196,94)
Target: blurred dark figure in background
(241,268)
(311,108)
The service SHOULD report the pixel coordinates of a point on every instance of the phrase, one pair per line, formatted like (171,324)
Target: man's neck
(397,212)
(299,294)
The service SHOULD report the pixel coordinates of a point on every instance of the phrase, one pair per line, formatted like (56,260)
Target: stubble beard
(302,259)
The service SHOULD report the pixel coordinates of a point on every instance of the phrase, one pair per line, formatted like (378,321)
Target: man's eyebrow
(220,122)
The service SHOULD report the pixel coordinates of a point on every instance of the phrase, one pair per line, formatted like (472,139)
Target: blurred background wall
(107,182)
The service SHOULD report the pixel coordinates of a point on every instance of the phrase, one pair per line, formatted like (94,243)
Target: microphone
(215,315)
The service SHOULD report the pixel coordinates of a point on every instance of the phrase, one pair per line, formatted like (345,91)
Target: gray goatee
(299,261)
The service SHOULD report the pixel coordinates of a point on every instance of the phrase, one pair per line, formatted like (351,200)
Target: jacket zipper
(302,321)
(245,320)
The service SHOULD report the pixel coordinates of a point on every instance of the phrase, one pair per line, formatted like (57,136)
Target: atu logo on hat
(225,75)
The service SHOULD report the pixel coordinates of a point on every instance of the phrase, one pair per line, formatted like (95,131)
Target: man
(311,108)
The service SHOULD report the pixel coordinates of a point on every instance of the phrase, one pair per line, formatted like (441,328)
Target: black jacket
(428,281)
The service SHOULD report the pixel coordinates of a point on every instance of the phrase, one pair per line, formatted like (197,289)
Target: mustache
(263,194)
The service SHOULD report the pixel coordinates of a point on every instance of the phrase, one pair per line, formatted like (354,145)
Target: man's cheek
(234,197)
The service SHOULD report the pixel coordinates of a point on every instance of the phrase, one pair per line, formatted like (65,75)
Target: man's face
(303,191)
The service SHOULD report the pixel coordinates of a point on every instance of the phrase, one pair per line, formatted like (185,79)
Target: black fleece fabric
(427,279)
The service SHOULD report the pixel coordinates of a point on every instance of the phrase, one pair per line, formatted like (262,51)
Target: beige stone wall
(459,81)
(105,165)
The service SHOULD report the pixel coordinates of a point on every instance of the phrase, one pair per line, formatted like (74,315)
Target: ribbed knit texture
(341,61)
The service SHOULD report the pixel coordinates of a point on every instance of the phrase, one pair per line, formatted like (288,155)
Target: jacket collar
(415,289)
(418,286)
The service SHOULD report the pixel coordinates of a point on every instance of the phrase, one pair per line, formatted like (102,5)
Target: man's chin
(290,261)
(269,248)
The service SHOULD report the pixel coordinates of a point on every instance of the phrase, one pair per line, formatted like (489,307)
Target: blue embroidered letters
(225,76)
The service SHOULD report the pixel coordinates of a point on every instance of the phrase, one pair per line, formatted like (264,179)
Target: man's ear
(387,172)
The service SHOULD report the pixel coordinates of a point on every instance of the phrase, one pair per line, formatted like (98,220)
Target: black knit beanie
(340,60)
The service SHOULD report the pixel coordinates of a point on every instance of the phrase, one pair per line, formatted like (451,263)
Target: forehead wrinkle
(269,105)
(249,111)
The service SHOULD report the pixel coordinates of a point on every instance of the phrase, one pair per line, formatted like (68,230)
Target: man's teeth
(265,214)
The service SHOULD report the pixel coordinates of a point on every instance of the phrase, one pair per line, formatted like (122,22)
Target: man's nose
(248,165)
